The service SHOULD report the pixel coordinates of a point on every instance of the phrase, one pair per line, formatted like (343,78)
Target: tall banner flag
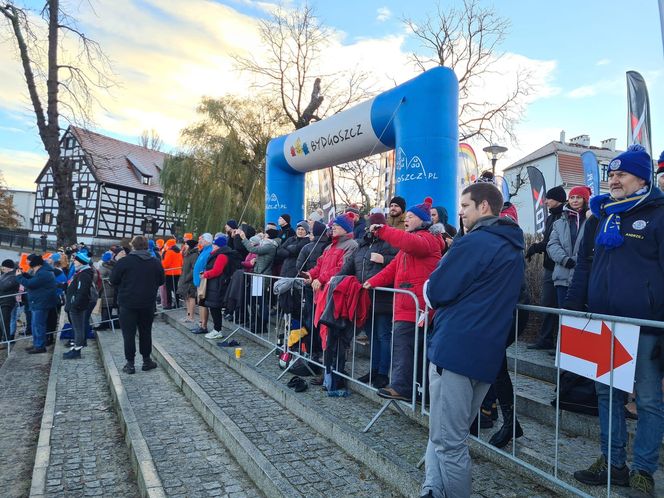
(590,171)
(504,187)
(638,111)
(538,191)
(326,189)
(468,170)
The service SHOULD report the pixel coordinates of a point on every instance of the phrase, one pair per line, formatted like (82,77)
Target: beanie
(220,241)
(318,229)
(191,243)
(207,237)
(8,263)
(35,260)
(286,217)
(377,210)
(82,258)
(150,245)
(377,219)
(557,194)
(353,208)
(660,163)
(634,160)
(303,224)
(423,211)
(486,177)
(582,191)
(443,217)
(56,257)
(107,256)
(232,223)
(345,221)
(188,236)
(272,233)
(160,243)
(170,243)
(314,216)
(399,201)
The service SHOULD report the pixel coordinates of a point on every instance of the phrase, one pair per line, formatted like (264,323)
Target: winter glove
(532,250)
(570,263)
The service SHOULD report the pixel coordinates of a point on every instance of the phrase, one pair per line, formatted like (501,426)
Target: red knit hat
(582,191)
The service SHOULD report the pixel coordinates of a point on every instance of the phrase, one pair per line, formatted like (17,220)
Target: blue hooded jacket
(200,263)
(41,288)
(627,280)
(474,290)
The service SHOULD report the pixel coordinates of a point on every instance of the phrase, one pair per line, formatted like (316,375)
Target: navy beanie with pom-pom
(423,211)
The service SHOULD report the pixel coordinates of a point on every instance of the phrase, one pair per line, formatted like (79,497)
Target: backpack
(577,394)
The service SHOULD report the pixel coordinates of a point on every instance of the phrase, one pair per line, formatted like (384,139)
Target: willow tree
(220,174)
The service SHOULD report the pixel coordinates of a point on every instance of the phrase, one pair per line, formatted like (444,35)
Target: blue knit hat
(232,223)
(423,211)
(634,160)
(220,241)
(82,257)
(107,256)
(345,221)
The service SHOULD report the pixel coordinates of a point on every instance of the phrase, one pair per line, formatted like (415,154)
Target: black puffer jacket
(311,252)
(216,287)
(288,253)
(78,290)
(137,277)
(8,286)
(361,266)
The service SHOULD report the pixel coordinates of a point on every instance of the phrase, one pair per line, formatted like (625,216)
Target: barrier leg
(381,411)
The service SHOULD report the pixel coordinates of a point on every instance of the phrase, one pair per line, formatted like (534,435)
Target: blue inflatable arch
(418,119)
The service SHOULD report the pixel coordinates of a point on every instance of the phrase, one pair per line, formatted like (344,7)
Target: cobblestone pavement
(392,434)
(23,381)
(190,461)
(88,453)
(314,465)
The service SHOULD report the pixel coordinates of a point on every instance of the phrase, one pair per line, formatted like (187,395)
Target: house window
(46,218)
(69,143)
(604,172)
(76,165)
(83,192)
(48,192)
(147,180)
(81,219)
(151,201)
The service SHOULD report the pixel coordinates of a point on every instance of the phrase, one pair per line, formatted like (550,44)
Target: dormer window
(69,143)
(147,180)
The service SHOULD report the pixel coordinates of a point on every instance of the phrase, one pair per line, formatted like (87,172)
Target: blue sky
(167,57)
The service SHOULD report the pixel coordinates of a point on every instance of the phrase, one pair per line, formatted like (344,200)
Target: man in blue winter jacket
(474,290)
(620,271)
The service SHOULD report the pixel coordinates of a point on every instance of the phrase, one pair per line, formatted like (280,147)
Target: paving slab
(23,381)
(188,457)
(396,438)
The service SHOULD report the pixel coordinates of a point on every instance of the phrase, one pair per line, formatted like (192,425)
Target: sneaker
(36,350)
(215,334)
(596,474)
(129,368)
(72,354)
(199,330)
(148,364)
(642,482)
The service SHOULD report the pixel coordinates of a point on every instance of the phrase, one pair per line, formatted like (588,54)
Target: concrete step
(534,363)
(394,446)
(23,385)
(81,449)
(282,450)
(176,453)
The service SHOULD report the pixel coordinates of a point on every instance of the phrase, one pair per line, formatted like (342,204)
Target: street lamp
(494,152)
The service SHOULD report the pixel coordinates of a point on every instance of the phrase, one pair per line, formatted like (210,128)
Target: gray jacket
(265,251)
(560,248)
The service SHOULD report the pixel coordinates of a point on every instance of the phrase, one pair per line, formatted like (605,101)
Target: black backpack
(577,394)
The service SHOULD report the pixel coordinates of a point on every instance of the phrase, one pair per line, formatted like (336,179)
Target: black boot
(501,438)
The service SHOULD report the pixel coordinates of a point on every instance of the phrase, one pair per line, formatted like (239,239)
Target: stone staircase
(205,423)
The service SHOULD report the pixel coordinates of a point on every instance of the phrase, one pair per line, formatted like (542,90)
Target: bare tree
(9,216)
(295,41)
(358,181)
(467,40)
(65,79)
(150,139)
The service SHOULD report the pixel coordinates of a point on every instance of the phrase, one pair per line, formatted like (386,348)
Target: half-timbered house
(116,189)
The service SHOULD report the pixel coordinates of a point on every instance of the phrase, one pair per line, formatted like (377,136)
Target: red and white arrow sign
(585,349)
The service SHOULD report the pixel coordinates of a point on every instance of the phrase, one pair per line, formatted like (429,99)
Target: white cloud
(383,14)
(613,86)
(21,168)
(603,62)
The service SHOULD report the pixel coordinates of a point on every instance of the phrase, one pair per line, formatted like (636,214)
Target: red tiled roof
(571,170)
(120,163)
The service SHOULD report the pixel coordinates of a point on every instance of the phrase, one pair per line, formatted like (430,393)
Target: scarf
(608,210)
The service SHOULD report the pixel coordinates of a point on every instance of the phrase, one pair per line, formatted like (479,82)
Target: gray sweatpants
(455,400)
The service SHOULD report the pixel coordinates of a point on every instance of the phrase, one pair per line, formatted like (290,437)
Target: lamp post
(494,152)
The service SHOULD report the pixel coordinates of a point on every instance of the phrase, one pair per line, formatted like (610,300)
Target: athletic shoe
(597,473)
(642,483)
(148,364)
(36,350)
(199,330)
(72,354)
(215,334)
(129,368)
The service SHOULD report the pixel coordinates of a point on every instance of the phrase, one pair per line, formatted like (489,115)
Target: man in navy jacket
(474,290)
(620,271)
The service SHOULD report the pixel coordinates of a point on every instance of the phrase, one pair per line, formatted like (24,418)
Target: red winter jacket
(419,253)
